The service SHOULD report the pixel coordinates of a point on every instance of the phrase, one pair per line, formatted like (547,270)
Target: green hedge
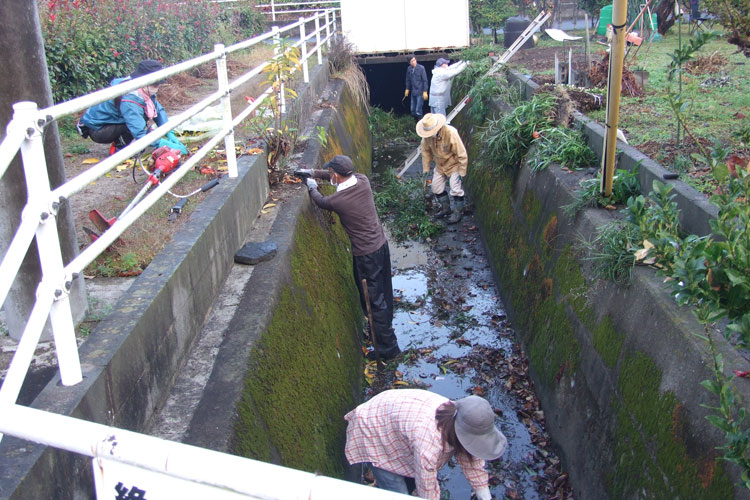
(88,43)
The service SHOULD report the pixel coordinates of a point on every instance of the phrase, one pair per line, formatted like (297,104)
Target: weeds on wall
(506,140)
(625,184)
(611,252)
(402,205)
(343,65)
(560,146)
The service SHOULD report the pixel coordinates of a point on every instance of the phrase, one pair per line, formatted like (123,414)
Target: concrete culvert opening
(386,81)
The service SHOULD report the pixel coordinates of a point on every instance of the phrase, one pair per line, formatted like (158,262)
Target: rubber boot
(458,208)
(445,205)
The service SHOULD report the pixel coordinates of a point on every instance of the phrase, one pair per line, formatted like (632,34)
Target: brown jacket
(356,209)
(448,151)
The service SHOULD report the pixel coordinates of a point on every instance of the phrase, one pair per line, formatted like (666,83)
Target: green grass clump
(507,139)
(625,184)
(563,147)
(402,206)
(387,126)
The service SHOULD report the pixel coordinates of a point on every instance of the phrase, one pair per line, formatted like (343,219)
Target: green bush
(87,44)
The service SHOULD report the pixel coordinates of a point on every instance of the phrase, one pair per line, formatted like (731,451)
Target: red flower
(535,134)
(52,18)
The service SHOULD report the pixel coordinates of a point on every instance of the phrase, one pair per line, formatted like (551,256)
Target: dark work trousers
(111,133)
(376,269)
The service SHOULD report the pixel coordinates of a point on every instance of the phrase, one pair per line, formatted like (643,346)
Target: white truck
(404,26)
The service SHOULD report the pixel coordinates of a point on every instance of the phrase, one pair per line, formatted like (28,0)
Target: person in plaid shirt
(412,433)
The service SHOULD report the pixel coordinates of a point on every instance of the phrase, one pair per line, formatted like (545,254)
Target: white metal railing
(24,134)
(128,464)
(153,468)
(295,7)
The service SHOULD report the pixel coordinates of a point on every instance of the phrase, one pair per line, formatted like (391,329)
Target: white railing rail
(24,134)
(158,468)
(294,7)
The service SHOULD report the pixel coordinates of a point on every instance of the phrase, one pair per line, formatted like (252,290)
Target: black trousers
(376,269)
(111,133)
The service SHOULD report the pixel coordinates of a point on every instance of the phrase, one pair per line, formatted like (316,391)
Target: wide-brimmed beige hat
(430,124)
(475,428)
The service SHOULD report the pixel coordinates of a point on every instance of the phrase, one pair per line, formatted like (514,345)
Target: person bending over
(409,434)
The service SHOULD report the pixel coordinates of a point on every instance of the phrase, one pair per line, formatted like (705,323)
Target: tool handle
(209,185)
(369,317)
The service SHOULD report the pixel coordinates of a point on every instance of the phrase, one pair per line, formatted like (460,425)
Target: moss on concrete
(571,285)
(650,455)
(310,349)
(352,135)
(553,347)
(608,341)
(650,450)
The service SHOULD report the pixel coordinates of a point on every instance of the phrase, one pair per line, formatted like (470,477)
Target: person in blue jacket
(416,85)
(127,117)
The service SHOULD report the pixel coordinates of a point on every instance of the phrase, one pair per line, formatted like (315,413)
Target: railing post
(303,49)
(48,244)
(317,37)
(333,14)
(328,31)
(276,52)
(273,11)
(226,108)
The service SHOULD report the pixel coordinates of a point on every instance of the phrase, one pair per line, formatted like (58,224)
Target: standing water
(457,341)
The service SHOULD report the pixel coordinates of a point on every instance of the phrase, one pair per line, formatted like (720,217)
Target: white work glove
(311,184)
(483,493)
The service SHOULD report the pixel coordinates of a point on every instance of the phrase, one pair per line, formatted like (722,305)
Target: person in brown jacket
(355,206)
(441,142)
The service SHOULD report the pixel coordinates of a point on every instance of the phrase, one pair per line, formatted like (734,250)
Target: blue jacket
(416,79)
(132,112)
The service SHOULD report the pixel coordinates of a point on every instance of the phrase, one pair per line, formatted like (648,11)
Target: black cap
(145,67)
(341,164)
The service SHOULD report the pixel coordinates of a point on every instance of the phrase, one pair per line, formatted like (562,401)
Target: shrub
(87,43)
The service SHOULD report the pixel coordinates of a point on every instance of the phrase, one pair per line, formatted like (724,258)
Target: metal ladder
(517,44)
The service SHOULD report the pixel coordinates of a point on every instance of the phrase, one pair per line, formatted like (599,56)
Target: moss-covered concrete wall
(617,369)
(302,321)
(305,370)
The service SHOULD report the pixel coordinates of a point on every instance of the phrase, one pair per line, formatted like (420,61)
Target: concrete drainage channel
(457,340)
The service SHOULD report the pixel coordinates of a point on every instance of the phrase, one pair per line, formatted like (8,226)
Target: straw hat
(475,428)
(430,124)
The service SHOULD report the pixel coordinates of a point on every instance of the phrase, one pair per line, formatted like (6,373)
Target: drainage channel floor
(457,341)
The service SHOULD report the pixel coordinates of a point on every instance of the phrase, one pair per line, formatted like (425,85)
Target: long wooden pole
(369,317)
(614,86)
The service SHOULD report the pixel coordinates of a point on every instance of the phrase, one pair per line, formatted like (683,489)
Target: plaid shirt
(397,431)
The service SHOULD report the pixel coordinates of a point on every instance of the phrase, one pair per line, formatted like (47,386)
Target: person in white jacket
(440,87)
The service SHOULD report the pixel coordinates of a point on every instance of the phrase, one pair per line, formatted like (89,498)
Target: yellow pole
(614,84)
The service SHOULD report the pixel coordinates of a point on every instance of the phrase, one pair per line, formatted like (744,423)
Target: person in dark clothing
(416,85)
(355,206)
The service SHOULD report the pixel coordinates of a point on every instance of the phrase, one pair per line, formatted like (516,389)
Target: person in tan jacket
(441,143)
